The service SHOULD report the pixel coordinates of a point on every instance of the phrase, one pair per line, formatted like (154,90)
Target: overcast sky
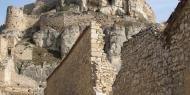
(162,8)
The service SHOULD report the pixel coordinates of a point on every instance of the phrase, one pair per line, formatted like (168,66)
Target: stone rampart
(16,19)
(75,71)
(157,63)
(85,70)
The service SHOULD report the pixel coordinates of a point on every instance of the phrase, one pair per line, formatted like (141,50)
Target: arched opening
(162,8)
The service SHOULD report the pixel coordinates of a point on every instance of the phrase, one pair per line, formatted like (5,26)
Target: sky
(162,8)
(5,3)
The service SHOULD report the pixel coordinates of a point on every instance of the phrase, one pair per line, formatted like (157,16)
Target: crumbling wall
(28,8)
(104,72)
(16,19)
(86,69)
(3,49)
(178,40)
(144,67)
(75,71)
(157,63)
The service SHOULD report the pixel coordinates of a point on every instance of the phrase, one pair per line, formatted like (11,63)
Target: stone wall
(103,71)
(66,19)
(157,63)
(75,71)
(16,91)
(16,19)
(144,66)
(3,47)
(28,8)
(178,40)
(86,69)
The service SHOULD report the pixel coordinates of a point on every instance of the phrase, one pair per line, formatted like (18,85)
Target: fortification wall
(75,71)
(179,46)
(144,67)
(86,69)
(16,19)
(28,8)
(65,20)
(158,63)
(3,47)
(104,72)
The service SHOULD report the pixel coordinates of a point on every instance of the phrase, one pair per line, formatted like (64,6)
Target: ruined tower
(15,19)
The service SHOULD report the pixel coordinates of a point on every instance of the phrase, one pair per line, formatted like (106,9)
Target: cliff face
(37,37)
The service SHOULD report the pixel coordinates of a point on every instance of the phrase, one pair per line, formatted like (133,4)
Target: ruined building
(94,47)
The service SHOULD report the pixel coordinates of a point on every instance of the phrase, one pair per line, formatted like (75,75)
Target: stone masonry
(107,47)
(75,71)
(90,62)
(157,63)
(103,71)
(16,19)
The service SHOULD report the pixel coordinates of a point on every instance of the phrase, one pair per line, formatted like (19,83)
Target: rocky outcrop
(68,38)
(140,10)
(47,38)
(44,32)
(114,41)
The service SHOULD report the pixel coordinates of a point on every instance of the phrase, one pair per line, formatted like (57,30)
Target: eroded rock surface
(40,35)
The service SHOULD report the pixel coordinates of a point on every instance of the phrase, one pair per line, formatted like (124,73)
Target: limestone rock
(140,9)
(47,38)
(40,38)
(68,38)
(114,38)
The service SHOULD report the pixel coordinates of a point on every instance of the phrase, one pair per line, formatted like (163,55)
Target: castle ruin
(88,47)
